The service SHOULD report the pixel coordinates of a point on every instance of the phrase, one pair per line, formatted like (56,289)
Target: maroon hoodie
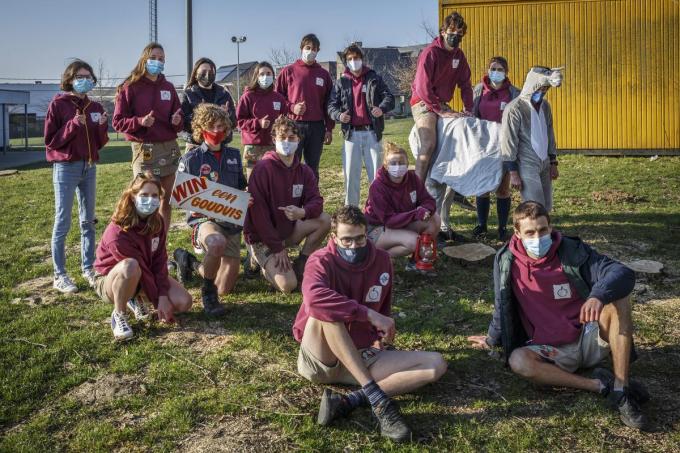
(149,251)
(396,205)
(136,100)
(253,106)
(493,100)
(66,140)
(550,304)
(273,185)
(438,73)
(360,116)
(299,82)
(335,291)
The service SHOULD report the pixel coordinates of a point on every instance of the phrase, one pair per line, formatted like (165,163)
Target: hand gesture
(300,108)
(165,310)
(176,117)
(515,180)
(281,261)
(590,311)
(478,341)
(383,324)
(293,212)
(328,138)
(345,117)
(264,122)
(103,119)
(148,120)
(376,112)
(79,117)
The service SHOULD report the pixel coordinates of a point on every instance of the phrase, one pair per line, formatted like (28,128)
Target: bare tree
(403,72)
(282,56)
(430,31)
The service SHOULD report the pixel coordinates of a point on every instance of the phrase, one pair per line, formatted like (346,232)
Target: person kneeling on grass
(221,241)
(287,209)
(344,329)
(131,259)
(399,208)
(561,306)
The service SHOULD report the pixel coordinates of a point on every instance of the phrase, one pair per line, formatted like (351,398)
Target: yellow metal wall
(621,58)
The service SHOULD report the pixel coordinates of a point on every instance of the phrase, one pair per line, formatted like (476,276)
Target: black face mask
(453,40)
(353,256)
(206,80)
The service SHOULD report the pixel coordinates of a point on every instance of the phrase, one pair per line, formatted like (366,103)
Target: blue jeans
(71,178)
(362,147)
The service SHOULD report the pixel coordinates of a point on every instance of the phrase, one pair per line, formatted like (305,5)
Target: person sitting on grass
(399,208)
(220,240)
(287,209)
(131,259)
(560,307)
(345,329)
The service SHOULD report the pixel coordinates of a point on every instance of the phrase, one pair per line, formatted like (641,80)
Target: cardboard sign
(216,201)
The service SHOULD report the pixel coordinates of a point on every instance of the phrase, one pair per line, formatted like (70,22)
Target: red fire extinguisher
(426,252)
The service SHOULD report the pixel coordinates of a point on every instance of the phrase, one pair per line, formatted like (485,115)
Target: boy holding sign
(220,240)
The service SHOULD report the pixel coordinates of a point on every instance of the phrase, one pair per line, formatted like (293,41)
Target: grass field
(231,384)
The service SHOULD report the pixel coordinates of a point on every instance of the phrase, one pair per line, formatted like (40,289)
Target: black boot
(332,406)
(211,300)
(392,423)
(185,265)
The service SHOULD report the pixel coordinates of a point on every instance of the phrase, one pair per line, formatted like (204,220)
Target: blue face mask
(538,246)
(154,67)
(82,86)
(537,97)
(496,76)
(146,205)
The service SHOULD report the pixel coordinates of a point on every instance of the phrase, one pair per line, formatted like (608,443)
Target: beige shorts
(260,253)
(231,250)
(587,352)
(161,159)
(374,232)
(316,371)
(421,110)
(100,289)
(252,154)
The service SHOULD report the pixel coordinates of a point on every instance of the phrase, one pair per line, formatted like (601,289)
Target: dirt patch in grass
(39,291)
(180,225)
(615,196)
(199,341)
(107,387)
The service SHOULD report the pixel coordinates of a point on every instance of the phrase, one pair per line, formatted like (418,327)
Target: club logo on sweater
(206,169)
(562,291)
(232,162)
(297,190)
(165,95)
(363,88)
(319,81)
(181,167)
(154,244)
(276,105)
(384,278)
(95,116)
(413,196)
(455,62)
(503,104)
(373,294)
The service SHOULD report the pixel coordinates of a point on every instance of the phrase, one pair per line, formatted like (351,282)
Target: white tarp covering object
(468,155)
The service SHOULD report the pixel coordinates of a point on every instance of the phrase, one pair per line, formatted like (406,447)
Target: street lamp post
(238,41)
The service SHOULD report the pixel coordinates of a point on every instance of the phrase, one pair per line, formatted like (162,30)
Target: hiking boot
(211,302)
(463,202)
(120,327)
(299,267)
(64,284)
(479,231)
(503,234)
(392,424)
(332,406)
(184,262)
(138,308)
(250,268)
(629,411)
(90,276)
(636,389)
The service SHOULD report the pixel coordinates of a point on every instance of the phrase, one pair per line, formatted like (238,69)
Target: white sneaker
(119,324)
(89,275)
(64,284)
(138,308)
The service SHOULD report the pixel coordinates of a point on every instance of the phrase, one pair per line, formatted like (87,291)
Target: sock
(355,399)
(503,211)
(374,394)
(618,387)
(483,210)
(208,284)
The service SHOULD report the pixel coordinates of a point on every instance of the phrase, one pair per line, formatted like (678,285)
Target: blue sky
(39,37)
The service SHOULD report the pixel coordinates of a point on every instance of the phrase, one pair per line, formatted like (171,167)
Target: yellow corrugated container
(621,57)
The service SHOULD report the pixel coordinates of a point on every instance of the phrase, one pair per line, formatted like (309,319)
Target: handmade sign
(213,200)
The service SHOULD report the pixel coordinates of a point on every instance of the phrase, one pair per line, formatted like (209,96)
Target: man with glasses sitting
(345,329)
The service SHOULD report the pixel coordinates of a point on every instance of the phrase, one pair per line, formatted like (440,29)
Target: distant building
(12,116)
(227,76)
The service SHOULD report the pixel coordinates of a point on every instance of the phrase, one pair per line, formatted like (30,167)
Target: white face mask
(397,171)
(146,205)
(308,55)
(286,148)
(354,65)
(265,81)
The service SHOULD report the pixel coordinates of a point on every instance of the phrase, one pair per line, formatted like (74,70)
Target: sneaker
(635,388)
(479,231)
(90,276)
(629,411)
(503,235)
(392,424)
(463,202)
(211,302)
(411,266)
(331,407)
(184,262)
(64,284)
(119,324)
(138,308)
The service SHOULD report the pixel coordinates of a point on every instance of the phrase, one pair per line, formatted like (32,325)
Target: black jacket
(377,95)
(194,95)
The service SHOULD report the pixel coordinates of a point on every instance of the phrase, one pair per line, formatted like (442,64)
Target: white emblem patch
(384,278)
(373,294)
(181,167)
(319,81)
(297,190)
(154,244)
(413,196)
(232,162)
(363,88)
(165,95)
(276,105)
(95,116)
(455,62)
(562,291)
(503,104)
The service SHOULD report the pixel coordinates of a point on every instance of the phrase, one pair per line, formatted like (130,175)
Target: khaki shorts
(421,110)
(260,253)
(374,232)
(161,159)
(252,154)
(100,290)
(587,352)
(233,246)
(316,371)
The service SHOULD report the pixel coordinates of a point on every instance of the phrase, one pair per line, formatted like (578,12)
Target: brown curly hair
(125,215)
(205,116)
(284,124)
(390,148)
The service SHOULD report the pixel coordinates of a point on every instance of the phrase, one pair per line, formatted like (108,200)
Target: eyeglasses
(359,241)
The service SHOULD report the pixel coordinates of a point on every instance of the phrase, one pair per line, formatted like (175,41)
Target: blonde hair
(205,116)
(390,148)
(140,68)
(125,215)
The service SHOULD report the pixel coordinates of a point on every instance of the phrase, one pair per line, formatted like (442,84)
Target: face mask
(453,40)
(354,65)
(537,97)
(285,147)
(352,256)
(82,86)
(265,81)
(496,76)
(397,171)
(214,138)
(538,246)
(206,80)
(146,205)
(308,55)
(154,67)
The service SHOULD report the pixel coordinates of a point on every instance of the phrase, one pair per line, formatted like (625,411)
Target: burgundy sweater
(361,116)
(253,106)
(493,101)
